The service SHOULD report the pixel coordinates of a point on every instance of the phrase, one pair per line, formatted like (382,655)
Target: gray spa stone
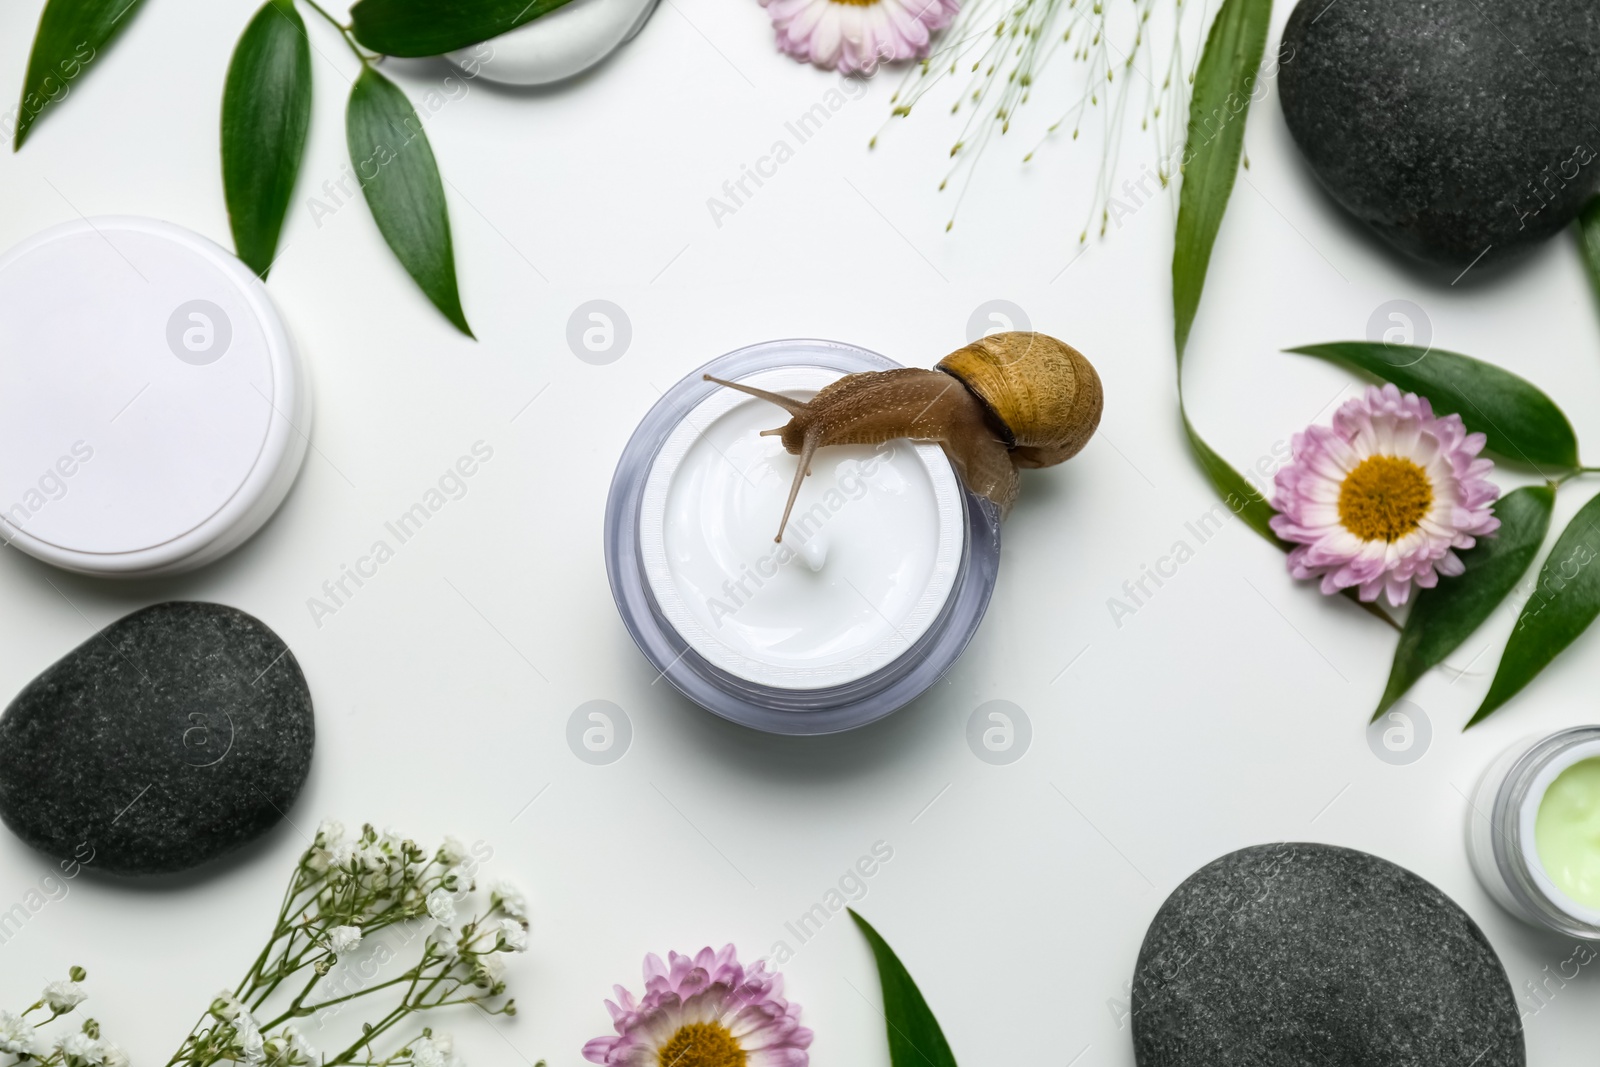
(1454,128)
(174,735)
(1315,956)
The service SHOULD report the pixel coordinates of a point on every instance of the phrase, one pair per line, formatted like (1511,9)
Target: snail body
(1004,403)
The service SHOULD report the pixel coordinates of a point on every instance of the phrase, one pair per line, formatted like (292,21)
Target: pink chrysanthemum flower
(705,1010)
(854,36)
(1381,499)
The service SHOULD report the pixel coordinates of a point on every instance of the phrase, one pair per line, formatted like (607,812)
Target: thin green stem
(344,31)
(1560,480)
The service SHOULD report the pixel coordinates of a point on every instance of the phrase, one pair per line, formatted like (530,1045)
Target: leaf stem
(1573,473)
(344,31)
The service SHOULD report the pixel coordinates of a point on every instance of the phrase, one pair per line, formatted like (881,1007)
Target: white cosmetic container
(883,574)
(153,410)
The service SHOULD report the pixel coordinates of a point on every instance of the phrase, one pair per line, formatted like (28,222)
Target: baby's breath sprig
(1002,47)
(388,893)
(22,1043)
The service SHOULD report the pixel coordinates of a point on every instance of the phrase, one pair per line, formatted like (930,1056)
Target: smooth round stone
(1455,129)
(1312,954)
(174,735)
(567,41)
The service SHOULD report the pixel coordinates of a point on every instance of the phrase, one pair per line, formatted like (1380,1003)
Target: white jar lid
(567,41)
(153,411)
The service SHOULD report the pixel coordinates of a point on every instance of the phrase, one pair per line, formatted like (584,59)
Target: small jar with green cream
(1534,831)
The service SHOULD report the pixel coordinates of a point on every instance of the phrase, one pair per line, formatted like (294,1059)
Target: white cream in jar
(866,562)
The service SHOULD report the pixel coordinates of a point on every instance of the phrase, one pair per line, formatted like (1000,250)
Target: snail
(1006,402)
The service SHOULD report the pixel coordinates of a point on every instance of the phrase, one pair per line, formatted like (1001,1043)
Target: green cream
(1567,831)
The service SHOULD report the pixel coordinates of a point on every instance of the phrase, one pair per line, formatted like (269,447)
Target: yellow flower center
(701,1045)
(857,3)
(1384,498)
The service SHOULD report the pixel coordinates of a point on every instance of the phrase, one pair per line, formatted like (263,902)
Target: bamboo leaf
(1443,617)
(266,110)
(433,27)
(1217,112)
(73,34)
(915,1039)
(1223,84)
(401,182)
(1589,241)
(1236,491)
(1521,422)
(1564,602)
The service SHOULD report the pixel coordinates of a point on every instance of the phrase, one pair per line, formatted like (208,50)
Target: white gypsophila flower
(16,1035)
(226,1006)
(252,1045)
(330,833)
(515,937)
(370,855)
(424,1053)
(113,1055)
(343,939)
(493,968)
(442,906)
(452,852)
(443,1041)
(510,899)
(301,1050)
(456,878)
(81,1048)
(64,996)
(443,941)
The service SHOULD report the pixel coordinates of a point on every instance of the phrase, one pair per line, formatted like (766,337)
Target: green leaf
(1217,112)
(433,27)
(915,1039)
(400,180)
(266,110)
(1223,84)
(1589,241)
(1564,603)
(1446,615)
(1520,421)
(1236,491)
(72,35)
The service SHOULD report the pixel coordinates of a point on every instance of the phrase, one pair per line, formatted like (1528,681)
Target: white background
(1228,711)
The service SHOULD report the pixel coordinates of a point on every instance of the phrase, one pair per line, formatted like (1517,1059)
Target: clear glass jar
(1500,831)
(773,708)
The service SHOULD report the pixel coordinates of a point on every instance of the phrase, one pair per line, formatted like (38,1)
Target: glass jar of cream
(881,578)
(1534,831)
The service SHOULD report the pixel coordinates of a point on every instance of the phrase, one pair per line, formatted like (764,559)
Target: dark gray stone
(1298,955)
(174,735)
(1454,128)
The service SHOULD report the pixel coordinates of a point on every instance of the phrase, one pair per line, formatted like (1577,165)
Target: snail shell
(1042,391)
